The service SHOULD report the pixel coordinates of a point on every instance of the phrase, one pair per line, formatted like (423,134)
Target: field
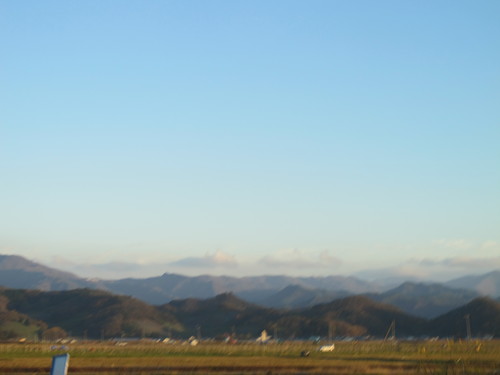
(356,357)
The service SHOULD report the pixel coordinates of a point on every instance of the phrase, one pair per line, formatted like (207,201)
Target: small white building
(327,348)
(263,337)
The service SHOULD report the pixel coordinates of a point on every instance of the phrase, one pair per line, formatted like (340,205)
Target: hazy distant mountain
(486,285)
(158,290)
(18,272)
(425,300)
(296,296)
(482,315)
(386,278)
(168,287)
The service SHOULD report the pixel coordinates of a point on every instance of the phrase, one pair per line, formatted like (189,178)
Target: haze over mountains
(427,300)
(38,301)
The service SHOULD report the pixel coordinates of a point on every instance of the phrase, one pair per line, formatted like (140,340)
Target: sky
(306,138)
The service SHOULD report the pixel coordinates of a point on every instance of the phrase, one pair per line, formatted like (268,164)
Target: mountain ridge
(99,314)
(276,291)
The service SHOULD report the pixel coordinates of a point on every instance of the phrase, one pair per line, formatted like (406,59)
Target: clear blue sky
(248,137)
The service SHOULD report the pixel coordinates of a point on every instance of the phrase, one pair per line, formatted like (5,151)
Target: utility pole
(198,331)
(392,331)
(467,325)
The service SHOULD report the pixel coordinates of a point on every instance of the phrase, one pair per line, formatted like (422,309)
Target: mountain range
(426,300)
(95,314)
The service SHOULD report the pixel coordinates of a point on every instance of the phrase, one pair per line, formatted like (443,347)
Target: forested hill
(99,314)
(93,313)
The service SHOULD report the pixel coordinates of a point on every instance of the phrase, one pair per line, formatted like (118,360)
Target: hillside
(100,314)
(223,314)
(14,324)
(358,315)
(92,313)
(486,285)
(482,313)
(425,300)
(18,272)
(296,296)
(352,316)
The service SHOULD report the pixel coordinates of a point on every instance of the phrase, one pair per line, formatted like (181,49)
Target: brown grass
(363,357)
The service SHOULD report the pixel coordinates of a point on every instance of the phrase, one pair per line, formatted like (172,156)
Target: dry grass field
(357,357)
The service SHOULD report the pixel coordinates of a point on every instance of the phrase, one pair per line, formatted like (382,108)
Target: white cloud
(434,269)
(141,269)
(296,259)
(464,262)
(218,259)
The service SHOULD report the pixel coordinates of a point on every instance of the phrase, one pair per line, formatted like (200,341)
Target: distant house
(263,337)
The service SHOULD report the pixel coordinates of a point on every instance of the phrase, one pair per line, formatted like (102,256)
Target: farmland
(354,357)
